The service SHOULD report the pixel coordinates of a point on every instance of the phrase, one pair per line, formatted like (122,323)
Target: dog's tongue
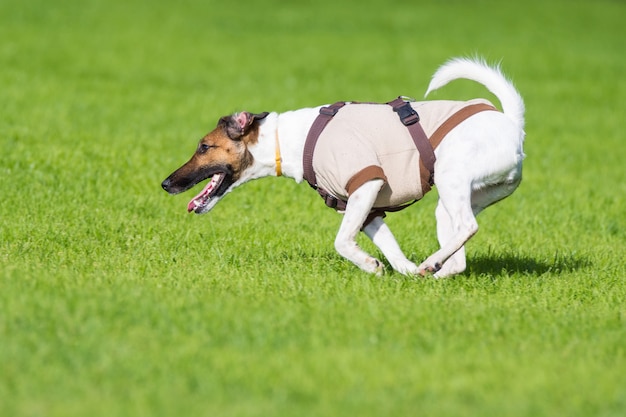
(205,194)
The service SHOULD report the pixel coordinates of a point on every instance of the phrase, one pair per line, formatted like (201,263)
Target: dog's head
(221,155)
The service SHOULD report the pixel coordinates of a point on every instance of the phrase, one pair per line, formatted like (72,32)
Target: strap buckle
(329,111)
(331,201)
(407,114)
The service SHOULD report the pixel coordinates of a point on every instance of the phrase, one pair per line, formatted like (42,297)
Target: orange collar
(279,170)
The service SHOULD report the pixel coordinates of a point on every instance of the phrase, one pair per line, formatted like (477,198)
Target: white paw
(405,267)
(428,268)
(373,266)
(449,269)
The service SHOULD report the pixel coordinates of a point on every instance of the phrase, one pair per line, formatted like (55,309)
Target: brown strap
(409,117)
(325,116)
(456,119)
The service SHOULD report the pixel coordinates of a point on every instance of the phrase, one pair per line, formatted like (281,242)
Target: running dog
(364,161)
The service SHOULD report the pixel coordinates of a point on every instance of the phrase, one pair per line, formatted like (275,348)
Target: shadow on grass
(491,264)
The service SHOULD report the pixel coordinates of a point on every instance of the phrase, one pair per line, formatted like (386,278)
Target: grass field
(115,302)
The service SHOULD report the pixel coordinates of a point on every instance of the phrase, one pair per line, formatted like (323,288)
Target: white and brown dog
(478,162)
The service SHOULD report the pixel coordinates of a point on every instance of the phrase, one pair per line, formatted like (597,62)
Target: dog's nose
(166,184)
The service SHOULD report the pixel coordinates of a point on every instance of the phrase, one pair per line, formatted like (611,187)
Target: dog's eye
(203,147)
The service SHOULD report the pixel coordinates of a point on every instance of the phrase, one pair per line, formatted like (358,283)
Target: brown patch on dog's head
(222,154)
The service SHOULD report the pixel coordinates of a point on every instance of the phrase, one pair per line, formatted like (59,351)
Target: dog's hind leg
(382,237)
(455,198)
(359,205)
(481,199)
(445,231)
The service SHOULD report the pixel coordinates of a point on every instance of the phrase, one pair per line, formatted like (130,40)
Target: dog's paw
(450,268)
(373,266)
(427,269)
(406,267)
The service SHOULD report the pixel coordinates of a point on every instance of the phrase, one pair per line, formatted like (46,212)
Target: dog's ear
(238,124)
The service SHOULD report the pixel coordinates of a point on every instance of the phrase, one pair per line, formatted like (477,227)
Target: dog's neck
(290,129)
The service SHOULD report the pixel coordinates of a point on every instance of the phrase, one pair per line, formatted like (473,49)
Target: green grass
(115,302)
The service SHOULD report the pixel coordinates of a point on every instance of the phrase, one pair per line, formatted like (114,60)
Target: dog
(477,163)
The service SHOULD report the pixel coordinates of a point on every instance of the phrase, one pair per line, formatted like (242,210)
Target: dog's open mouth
(212,189)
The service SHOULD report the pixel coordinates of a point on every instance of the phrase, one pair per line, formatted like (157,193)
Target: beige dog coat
(366,141)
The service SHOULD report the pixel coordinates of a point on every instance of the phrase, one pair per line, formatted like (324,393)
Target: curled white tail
(491,77)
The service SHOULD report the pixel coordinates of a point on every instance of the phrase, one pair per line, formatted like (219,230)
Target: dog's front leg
(359,205)
(378,231)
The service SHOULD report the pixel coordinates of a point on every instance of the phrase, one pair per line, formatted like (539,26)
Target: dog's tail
(491,77)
